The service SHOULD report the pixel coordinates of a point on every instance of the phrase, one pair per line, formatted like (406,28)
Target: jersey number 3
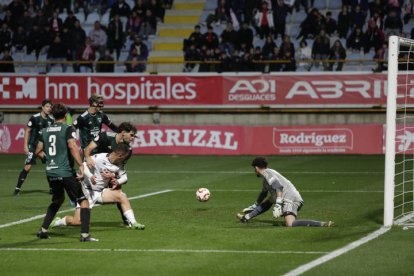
(52,145)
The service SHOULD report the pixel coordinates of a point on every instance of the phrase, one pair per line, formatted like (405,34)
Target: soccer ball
(203,194)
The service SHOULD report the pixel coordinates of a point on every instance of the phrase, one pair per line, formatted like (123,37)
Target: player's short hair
(95,98)
(122,148)
(59,111)
(126,126)
(259,162)
(46,101)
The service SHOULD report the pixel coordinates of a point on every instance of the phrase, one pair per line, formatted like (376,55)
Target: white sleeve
(122,176)
(88,174)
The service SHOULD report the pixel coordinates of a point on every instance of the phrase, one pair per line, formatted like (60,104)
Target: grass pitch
(186,237)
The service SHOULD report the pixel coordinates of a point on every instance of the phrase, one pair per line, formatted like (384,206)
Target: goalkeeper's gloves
(278,209)
(250,208)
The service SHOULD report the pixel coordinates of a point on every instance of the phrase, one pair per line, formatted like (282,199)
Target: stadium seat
(321,5)
(80,16)
(105,18)
(92,17)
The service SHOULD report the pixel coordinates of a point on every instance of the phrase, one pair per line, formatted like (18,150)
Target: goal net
(399,147)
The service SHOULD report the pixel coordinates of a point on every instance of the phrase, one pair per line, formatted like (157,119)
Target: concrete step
(168,46)
(188,19)
(189,1)
(170,32)
(189,6)
(183,12)
(166,39)
(166,53)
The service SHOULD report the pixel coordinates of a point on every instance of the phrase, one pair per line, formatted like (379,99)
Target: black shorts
(30,158)
(70,184)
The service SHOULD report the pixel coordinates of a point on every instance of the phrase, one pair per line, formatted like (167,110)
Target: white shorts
(291,207)
(94,197)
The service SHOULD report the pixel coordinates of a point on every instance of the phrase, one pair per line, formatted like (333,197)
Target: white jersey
(101,164)
(275,182)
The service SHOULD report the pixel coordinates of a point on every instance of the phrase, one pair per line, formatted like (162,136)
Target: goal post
(399,135)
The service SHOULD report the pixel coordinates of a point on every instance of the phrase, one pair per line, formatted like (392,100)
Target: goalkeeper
(283,194)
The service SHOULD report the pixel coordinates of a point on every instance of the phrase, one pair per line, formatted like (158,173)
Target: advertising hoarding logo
(22,88)
(313,140)
(5,140)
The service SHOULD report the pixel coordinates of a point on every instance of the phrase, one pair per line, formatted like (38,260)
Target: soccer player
(58,141)
(283,194)
(107,142)
(31,137)
(90,122)
(108,169)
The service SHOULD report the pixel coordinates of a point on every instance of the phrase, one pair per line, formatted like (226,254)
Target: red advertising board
(238,140)
(192,91)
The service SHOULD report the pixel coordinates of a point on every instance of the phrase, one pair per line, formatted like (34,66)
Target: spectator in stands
(304,4)
(32,8)
(98,38)
(120,8)
(363,5)
(374,37)
(357,17)
(377,6)
(320,50)
(70,20)
(275,66)
(139,8)
(105,63)
(141,52)
(55,23)
(78,35)
(40,20)
(5,37)
(263,19)
(81,4)
(116,37)
(235,61)
(249,7)
(191,53)
(267,49)
(380,57)
(86,56)
(337,53)
(228,39)
(56,53)
(16,8)
(393,24)
(408,11)
(224,65)
(330,24)
(62,5)
(7,62)
(148,26)
(35,41)
(290,63)
(210,38)
(304,55)
(48,8)
(245,35)
(27,22)
(221,14)
(344,22)
(157,10)
(133,24)
(311,25)
(195,39)
(257,59)
(287,46)
(19,40)
(280,11)
(356,40)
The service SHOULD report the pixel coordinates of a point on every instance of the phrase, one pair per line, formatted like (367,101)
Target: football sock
(259,209)
(61,222)
(22,177)
(118,205)
(50,214)
(130,216)
(85,216)
(297,223)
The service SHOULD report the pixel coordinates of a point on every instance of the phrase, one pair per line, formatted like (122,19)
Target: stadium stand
(163,28)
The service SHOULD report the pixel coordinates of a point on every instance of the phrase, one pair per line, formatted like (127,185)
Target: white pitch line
(71,209)
(163,250)
(302,191)
(222,172)
(303,268)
